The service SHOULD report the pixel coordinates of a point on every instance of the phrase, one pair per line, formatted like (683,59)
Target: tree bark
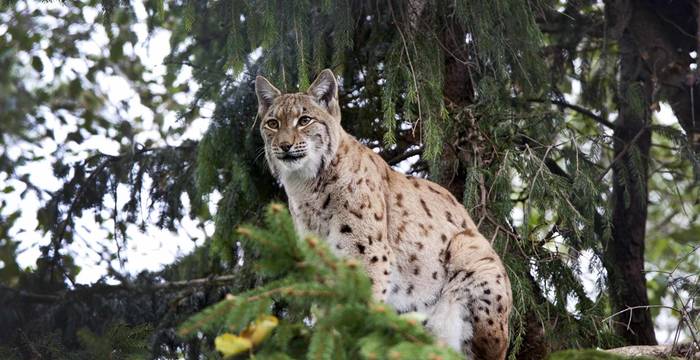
(686,351)
(458,92)
(624,254)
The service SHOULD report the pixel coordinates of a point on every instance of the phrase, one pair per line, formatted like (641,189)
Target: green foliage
(323,303)
(118,342)
(589,355)
(241,176)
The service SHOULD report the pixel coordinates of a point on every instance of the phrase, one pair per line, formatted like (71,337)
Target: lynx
(419,246)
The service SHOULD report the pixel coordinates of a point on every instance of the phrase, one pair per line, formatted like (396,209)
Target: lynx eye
(304,120)
(272,124)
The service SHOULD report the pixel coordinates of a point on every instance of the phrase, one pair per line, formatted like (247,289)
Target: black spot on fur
(357,214)
(360,248)
(409,290)
(384,258)
(425,208)
(487,291)
(416,271)
(454,275)
(326,202)
(435,275)
(443,237)
(374,259)
(448,215)
(345,229)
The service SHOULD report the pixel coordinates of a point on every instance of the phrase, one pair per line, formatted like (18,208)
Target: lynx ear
(266,94)
(325,90)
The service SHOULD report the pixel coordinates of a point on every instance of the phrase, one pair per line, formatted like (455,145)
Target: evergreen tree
(479,96)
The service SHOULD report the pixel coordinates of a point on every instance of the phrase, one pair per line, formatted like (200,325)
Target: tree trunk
(458,92)
(624,255)
(665,35)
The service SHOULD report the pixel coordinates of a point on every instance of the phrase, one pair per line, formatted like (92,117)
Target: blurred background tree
(567,127)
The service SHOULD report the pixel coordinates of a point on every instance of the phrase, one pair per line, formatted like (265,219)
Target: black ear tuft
(266,94)
(325,89)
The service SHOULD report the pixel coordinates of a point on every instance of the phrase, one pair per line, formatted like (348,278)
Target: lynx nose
(285,146)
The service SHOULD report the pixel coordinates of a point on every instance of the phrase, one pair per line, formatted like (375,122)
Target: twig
(579,109)
(630,308)
(196,282)
(622,153)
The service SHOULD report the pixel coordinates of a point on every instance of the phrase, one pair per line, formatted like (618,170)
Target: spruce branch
(579,109)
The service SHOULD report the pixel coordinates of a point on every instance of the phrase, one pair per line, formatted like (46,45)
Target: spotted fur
(419,246)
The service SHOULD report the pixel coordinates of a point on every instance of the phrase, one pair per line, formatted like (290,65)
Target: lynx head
(301,131)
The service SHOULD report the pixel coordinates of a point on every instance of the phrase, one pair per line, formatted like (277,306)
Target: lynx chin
(418,245)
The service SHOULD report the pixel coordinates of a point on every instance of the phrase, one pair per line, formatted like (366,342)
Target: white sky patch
(144,251)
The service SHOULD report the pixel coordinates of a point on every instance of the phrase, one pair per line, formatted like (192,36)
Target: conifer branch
(622,153)
(30,296)
(579,109)
(62,295)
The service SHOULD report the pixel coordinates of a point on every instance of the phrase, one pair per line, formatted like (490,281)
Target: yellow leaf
(260,329)
(230,345)
(414,317)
